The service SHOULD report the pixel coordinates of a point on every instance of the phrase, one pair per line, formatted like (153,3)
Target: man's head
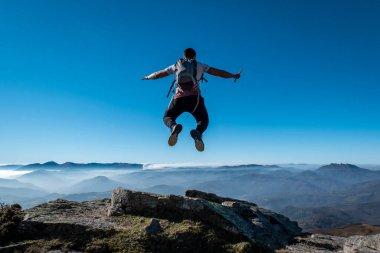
(189,53)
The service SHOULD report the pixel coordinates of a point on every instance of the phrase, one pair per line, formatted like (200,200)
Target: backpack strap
(195,71)
(175,79)
(203,79)
(175,69)
(170,89)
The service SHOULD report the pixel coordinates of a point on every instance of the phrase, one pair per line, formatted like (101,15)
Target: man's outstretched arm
(222,73)
(156,75)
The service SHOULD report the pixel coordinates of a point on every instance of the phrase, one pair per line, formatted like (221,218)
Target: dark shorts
(187,104)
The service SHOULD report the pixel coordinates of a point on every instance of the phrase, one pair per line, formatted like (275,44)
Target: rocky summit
(144,222)
(135,221)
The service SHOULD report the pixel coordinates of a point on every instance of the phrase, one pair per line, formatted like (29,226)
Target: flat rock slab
(89,213)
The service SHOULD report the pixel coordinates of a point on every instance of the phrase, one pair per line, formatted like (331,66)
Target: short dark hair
(189,53)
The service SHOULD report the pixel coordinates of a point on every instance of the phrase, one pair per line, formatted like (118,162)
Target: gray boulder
(265,229)
(154,227)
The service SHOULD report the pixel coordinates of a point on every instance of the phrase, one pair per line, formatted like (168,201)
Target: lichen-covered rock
(142,203)
(266,229)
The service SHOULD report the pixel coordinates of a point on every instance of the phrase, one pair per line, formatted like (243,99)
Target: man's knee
(205,123)
(202,125)
(166,119)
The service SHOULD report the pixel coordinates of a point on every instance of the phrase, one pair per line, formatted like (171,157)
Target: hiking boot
(197,136)
(176,129)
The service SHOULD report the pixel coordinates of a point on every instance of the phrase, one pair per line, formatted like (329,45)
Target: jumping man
(187,97)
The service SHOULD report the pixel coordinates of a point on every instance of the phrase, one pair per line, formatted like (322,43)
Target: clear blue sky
(70,86)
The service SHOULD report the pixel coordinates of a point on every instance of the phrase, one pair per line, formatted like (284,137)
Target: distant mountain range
(71,165)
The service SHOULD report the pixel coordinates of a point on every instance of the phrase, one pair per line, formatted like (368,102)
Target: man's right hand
(236,76)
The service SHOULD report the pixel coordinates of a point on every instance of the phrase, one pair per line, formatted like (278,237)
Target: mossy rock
(184,236)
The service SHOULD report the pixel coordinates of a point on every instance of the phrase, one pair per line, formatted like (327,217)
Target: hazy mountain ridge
(10,166)
(14,183)
(325,217)
(96,184)
(71,165)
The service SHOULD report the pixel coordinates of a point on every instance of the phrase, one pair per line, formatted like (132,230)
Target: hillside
(96,184)
(352,229)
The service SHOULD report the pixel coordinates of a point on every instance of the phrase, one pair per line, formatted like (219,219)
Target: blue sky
(70,86)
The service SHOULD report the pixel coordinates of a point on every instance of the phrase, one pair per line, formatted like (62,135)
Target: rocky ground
(68,226)
(144,222)
(318,243)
